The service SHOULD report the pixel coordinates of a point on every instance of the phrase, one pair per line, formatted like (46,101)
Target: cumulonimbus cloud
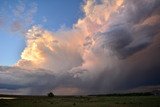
(114,47)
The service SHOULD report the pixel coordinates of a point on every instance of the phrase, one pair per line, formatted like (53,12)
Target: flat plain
(82,101)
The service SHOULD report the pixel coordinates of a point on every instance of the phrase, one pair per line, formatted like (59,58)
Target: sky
(78,47)
(52,15)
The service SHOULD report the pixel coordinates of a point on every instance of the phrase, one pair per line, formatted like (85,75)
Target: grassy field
(85,101)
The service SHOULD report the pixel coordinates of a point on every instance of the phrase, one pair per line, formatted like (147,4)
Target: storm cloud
(115,46)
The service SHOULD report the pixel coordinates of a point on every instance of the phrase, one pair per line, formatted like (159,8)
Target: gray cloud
(133,28)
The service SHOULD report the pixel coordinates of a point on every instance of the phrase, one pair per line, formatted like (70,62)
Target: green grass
(88,101)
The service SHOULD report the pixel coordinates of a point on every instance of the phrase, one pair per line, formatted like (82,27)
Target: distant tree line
(152,93)
(127,94)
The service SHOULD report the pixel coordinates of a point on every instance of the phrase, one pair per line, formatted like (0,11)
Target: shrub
(50,94)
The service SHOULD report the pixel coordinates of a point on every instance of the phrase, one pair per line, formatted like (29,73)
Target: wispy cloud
(18,18)
(23,16)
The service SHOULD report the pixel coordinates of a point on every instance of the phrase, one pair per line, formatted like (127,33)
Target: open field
(82,101)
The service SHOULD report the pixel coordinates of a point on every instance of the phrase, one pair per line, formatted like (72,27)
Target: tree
(50,94)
